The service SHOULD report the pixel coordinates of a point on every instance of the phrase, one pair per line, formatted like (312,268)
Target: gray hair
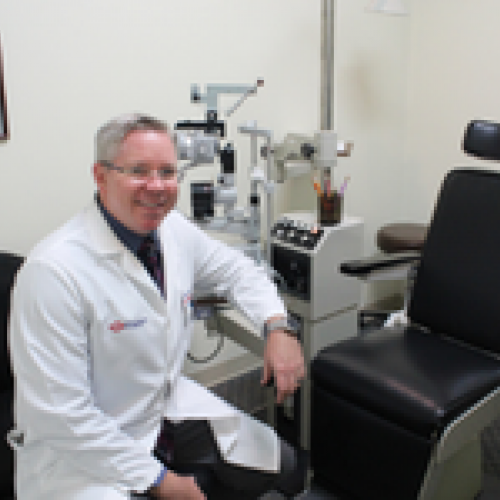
(111,135)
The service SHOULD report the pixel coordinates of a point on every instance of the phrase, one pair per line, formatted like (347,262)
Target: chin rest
(397,413)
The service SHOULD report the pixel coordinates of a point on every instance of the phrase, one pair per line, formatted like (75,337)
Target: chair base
(357,453)
(381,460)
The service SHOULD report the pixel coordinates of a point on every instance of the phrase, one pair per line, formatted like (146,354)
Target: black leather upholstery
(417,380)
(482,139)
(381,401)
(9,264)
(456,288)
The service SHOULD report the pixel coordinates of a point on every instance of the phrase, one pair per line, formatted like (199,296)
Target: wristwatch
(280,324)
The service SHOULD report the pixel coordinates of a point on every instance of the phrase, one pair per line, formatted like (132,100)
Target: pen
(317,187)
(344,185)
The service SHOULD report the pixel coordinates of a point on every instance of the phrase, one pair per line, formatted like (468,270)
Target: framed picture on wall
(4,127)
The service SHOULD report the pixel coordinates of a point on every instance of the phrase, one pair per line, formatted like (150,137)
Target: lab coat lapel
(136,272)
(104,242)
(101,238)
(176,288)
(170,256)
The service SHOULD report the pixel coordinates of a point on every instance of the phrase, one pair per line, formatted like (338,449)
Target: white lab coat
(98,353)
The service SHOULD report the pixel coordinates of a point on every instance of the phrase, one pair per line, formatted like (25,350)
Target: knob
(307,150)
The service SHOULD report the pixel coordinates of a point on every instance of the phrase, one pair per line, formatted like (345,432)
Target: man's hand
(283,357)
(176,487)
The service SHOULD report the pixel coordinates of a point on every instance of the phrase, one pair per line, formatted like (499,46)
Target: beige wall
(454,77)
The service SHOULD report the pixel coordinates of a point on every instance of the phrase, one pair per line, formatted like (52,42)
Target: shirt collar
(129,238)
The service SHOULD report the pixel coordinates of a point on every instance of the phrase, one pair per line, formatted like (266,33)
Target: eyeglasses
(141,173)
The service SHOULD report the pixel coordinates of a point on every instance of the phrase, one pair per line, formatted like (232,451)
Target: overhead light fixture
(394,7)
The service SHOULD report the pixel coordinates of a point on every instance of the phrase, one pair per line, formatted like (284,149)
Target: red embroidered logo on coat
(117,326)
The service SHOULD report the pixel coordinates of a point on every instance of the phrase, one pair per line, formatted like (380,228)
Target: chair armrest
(371,266)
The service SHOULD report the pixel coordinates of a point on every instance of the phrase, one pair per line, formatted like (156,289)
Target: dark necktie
(150,256)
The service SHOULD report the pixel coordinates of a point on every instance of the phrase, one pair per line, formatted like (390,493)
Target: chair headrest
(482,139)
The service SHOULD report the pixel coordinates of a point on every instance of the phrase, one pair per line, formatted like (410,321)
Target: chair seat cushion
(415,379)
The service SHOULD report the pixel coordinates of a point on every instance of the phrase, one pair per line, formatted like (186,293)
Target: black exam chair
(9,265)
(397,413)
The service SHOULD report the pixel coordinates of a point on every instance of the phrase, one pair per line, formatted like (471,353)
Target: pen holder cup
(330,208)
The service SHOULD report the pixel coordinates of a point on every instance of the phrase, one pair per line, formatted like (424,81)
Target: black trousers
(194,452)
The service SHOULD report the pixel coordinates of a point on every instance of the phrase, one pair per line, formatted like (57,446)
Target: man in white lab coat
(98,343)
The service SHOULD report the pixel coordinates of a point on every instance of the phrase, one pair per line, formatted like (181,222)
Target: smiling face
(139,205)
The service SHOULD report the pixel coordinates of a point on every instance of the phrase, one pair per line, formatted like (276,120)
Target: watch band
(280,324)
